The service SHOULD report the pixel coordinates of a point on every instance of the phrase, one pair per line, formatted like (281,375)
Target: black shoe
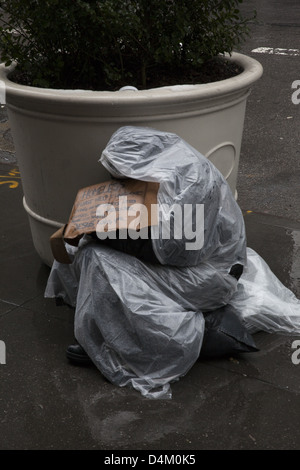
(76,353)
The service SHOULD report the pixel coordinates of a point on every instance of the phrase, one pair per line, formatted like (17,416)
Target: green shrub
(110,43)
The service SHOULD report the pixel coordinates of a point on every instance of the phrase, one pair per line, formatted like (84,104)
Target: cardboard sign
(107,207)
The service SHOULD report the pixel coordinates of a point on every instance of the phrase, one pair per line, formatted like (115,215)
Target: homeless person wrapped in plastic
(145,323)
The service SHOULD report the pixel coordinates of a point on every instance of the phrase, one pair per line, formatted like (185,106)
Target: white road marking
(276,51)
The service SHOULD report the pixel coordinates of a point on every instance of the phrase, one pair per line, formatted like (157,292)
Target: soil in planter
(213,70)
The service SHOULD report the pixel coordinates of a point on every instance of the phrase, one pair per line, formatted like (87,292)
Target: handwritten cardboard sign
(107,206)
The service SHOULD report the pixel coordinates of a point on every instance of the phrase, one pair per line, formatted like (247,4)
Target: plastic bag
(141,324)
(187,179)
(144,325)
(263,302)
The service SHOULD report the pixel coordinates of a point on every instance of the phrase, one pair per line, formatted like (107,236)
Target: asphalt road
(269,173)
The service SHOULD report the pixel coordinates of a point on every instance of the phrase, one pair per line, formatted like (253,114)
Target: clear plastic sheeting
(186,177)
(263,302)
(141,324)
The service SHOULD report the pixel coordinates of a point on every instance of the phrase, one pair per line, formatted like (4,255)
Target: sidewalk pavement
(250,401)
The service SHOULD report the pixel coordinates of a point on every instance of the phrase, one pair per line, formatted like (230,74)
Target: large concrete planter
(59,135)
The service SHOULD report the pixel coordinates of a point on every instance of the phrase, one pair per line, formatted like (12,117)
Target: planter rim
(251,73)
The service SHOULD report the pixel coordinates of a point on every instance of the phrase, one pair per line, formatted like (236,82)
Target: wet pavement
(250,401)
(269,172)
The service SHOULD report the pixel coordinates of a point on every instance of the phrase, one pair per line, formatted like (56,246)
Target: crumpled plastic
(185,177)
(263,302)
(142,324)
